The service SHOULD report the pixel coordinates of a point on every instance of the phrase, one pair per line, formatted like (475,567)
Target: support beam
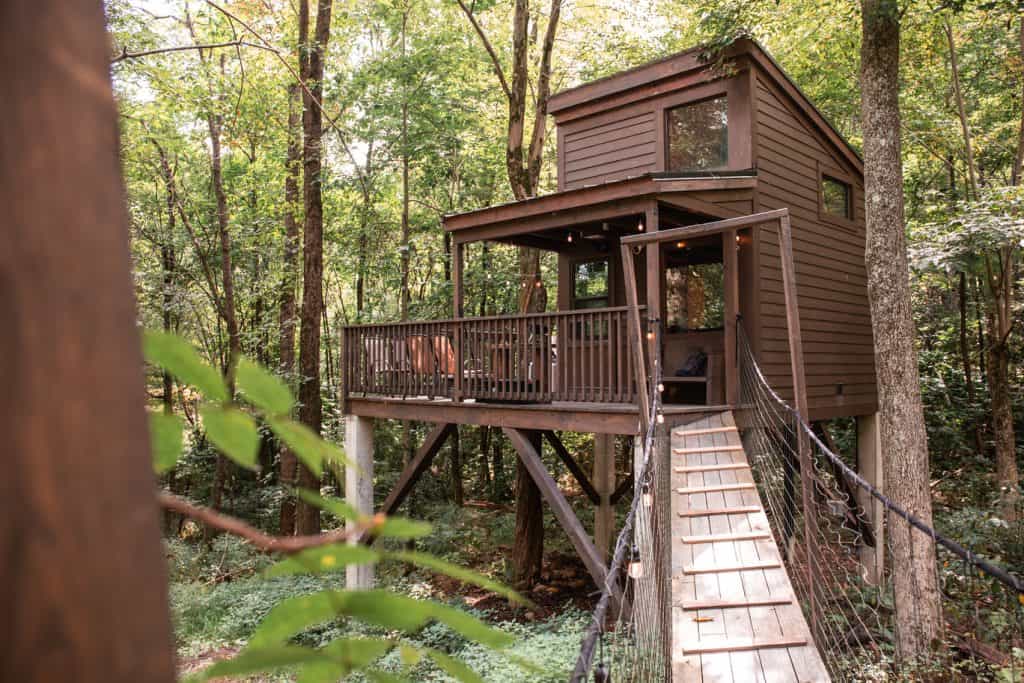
(577,472)
(412,472)
(458,268)
(359,487)
(604,483)
(869,466)
(654,275)
(730,268)
(563,512)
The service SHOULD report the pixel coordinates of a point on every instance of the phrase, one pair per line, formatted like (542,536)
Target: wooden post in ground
(359,486)
(604,484)
(869,466)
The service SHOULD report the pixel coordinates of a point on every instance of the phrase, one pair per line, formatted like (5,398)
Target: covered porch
(580,358)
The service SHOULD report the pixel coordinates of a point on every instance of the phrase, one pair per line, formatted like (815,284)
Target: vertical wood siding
(829,258)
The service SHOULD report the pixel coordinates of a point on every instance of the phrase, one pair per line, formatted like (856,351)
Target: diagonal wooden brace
(561,508)
(413,471)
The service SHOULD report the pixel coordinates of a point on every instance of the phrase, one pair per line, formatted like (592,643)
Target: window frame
(667,127)
(609,289)
(849,222)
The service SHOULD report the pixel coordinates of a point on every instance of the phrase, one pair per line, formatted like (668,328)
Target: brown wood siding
(609,149)
(829,258)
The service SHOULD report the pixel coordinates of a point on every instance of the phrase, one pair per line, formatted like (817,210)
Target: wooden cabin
(670,178)
(672,143)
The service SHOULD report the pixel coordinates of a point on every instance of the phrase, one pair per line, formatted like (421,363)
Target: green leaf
(403,528)
(454,668)
(165,437)
(254,660)
(377,607)
(336,506)
(262,388)
(306,444)
(176,356)
(328,558)
(409,655)
(346,655)
(457,572)
(233,432)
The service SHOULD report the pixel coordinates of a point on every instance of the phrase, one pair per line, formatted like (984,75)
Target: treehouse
(670,144)
(701,209)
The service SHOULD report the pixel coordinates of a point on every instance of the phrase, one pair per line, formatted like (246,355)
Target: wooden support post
(359,487)
(457,311)
(869,466)
(604,483)
(636,336)
(730,267)
(654,275)
(796,355)
(563,512)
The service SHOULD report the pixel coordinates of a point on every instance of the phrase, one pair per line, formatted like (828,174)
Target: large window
(835,197)
(590,285)
(698,136)
(693,297)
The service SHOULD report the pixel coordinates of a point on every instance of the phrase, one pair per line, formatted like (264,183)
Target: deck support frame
(563,512)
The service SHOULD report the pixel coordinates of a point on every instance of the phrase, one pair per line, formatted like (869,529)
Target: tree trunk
(902,415)
(528,546)
(289,285)
(83,576)
(310,414)
(1018,159)
(484,472)
(1000,324)
(497,467)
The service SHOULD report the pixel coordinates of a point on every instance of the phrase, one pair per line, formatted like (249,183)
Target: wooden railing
(564,356)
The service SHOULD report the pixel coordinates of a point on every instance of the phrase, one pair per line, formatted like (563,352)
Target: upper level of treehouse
(674,143)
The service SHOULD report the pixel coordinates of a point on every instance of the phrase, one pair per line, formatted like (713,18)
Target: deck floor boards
(713,440)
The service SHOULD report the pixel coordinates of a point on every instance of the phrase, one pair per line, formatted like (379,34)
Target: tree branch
(182,48)
(262,541)
(487,46)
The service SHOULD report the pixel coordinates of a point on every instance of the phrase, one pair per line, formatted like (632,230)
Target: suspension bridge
(749,554)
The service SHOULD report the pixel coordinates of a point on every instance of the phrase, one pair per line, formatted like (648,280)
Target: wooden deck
(735,616)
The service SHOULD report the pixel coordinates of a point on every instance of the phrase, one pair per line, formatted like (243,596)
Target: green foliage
(233,432)
(176,356)
(165,435)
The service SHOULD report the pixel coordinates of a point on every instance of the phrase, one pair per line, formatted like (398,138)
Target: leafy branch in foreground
(234,431)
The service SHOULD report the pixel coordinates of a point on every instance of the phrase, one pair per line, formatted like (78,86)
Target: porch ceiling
(526,222)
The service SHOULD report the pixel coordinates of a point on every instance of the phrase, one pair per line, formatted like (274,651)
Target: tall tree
(523,165)
(312,72)
(78,489)
(904,439)
(289,286)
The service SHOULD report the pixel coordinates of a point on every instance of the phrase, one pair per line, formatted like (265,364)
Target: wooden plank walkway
(735,617)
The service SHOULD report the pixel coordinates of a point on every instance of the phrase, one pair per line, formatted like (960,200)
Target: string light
(569,239)
(640,226)
(661,388)
(661,418)
(648,497)
(680,245)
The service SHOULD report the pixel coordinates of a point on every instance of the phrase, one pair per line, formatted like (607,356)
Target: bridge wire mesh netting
(629,635)
(851,563)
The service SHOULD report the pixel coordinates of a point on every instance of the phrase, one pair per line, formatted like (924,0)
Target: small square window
(698,136)
(590,284)
(835,197)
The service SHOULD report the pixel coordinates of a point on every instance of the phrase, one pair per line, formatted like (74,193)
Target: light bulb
(661,387)
(570,238)
(661,419)
(640,226)
(647,496)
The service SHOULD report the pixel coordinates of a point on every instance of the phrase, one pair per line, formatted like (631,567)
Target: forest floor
(218,597)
